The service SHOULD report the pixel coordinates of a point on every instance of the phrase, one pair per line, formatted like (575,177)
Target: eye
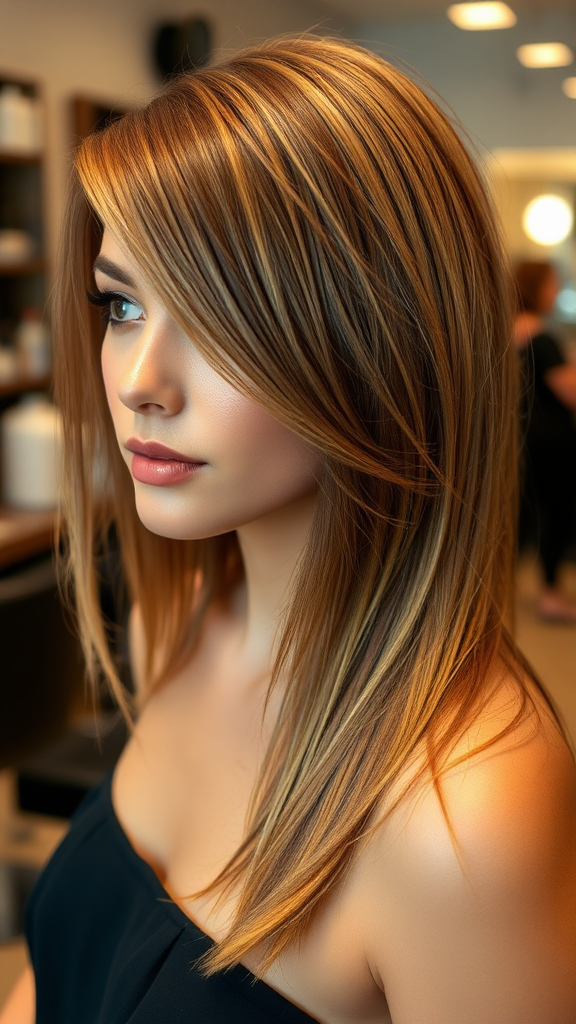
(123,311)
(116,309)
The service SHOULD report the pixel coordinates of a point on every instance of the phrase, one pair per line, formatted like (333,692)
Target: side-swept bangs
(297,238)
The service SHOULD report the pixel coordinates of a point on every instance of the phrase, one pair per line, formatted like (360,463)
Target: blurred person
(343,780)
(548,504)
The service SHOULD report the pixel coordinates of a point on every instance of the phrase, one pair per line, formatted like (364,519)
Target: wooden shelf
(24,383)
(8,156)
(24,534)
(20,269)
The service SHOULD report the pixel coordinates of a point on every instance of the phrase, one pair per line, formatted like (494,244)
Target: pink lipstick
(154,463)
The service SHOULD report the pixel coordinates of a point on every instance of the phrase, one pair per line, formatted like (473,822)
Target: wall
(102,50)
(499,102)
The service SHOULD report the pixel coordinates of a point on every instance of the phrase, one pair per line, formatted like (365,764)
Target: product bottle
(33,344)
(35,125)
(31,454)
(14,118)
(8,364)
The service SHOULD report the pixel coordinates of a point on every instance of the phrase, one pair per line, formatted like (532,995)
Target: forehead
(115,261)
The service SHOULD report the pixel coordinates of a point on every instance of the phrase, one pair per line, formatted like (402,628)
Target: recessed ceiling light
(569,88)
(547,220)
(477,16)
(545,55)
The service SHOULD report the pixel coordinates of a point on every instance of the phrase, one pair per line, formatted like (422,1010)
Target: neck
(271,549)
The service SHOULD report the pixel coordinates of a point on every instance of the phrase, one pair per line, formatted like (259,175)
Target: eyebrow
(106,266)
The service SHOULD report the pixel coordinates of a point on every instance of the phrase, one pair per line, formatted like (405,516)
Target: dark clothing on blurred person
(549,484)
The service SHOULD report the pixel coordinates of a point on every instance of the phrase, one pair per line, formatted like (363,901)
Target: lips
(156,450)
(154,463)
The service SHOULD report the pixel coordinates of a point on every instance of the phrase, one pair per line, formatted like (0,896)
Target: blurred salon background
(508,74)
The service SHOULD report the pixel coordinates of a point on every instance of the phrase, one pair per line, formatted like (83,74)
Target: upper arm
(21,1005)
(484,933)
(562,382)
(550,366)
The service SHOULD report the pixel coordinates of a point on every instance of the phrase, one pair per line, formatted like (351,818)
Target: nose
(150,382)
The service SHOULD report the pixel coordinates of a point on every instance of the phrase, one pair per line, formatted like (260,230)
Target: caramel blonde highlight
(316,225)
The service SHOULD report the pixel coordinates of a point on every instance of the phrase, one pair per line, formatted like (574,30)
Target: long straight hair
(313,221)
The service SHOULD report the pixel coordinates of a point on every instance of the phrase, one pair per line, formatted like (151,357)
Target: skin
(562,381)
(419,931)
(21,1005)
(259,479)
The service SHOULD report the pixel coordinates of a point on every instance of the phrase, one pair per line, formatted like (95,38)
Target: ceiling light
(478,16)
(547,220)
(545,55)
(569,88)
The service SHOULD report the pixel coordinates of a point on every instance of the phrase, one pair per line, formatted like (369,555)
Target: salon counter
(24,534)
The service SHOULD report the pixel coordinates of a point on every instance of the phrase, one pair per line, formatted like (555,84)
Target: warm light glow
(545,55)
(569,88)
(547,220)
(478,16)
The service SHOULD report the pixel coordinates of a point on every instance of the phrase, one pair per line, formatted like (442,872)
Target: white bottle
(33,344)
(31,452)
(15,119)
(35,125)
(8,364)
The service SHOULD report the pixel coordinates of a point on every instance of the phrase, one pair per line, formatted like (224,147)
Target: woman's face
(204,458)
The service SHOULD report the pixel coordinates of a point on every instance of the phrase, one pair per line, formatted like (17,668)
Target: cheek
(110,372)
(270,453)
(257,451)
(106,363)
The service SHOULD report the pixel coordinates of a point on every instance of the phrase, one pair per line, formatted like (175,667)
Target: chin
(169,522)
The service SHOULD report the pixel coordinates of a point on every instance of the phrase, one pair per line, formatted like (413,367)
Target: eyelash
(104,301)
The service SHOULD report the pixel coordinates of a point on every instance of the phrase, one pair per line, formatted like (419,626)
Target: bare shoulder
(20,1007)
(477,922)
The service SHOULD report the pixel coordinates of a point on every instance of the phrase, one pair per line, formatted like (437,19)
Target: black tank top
(108,946)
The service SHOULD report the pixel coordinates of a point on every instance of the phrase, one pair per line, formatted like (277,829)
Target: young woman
(549,485)
(342,779)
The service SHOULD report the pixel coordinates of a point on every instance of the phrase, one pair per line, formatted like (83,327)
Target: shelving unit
(22,384)
(22,269)
(88,114)
(22,286)
(24,534)
(22,283)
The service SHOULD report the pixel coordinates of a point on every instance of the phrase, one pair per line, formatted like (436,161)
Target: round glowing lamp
(480,16)
(545,55)
(547,220)
(569,88)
